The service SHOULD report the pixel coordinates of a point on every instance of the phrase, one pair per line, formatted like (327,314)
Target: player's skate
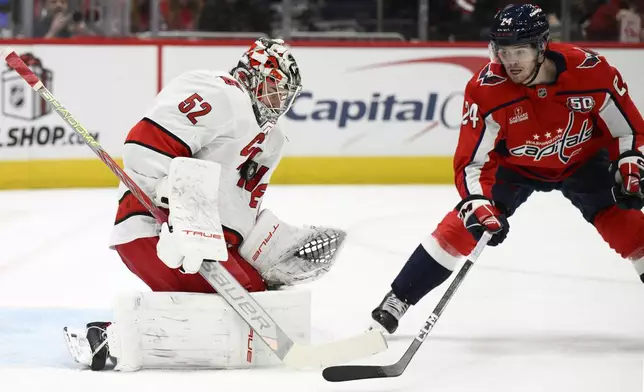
(388,313)
(88,346)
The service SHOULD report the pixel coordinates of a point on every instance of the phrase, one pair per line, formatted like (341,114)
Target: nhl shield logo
(542,92)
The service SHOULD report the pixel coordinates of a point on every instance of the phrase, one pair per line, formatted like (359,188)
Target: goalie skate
(88,346)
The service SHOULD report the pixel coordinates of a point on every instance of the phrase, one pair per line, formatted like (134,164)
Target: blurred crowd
(451,20)
(590,20)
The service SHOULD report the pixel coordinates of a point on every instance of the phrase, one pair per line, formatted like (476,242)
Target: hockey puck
(248,169)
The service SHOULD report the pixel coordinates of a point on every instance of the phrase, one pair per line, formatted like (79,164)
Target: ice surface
(552,309)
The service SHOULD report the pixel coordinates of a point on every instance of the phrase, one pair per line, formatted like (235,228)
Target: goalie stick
(361,372)
(291,353)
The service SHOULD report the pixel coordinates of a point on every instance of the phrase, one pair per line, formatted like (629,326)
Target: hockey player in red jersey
(539,117)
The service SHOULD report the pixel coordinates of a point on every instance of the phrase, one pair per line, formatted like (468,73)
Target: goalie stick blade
(346,350)
(359,372)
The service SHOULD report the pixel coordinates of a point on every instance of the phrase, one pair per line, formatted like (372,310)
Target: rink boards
(385,113)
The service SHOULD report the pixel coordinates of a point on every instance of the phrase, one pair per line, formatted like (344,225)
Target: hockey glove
(171,252)
(195,233)
(479,215)
(627,173)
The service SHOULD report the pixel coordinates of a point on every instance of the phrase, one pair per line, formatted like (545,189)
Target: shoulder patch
(580,104)
(591,60)
(489,78)
(231,82)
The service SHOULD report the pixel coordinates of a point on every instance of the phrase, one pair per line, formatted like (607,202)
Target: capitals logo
(591,60)
(558,144)
(487,77)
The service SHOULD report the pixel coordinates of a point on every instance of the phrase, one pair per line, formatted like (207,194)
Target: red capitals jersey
(547,131)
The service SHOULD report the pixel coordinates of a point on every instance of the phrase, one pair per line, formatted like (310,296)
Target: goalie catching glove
(285,255)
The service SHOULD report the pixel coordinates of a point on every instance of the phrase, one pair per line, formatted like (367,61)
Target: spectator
(58,22)
(181,14)
(55,20)
(630,22)
(235,16)
(140,15)
(556,33)
(602,25)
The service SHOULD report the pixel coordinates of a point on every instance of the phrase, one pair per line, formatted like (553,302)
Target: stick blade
(346,350)
(357,372)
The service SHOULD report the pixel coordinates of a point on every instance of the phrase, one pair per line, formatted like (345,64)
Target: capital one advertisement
(381,102)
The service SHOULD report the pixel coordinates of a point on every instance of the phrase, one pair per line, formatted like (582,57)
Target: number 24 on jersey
(471,114)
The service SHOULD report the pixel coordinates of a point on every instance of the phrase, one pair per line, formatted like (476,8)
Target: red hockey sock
(453,237)
(623,230)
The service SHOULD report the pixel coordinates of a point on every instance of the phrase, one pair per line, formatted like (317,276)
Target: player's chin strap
(535,73)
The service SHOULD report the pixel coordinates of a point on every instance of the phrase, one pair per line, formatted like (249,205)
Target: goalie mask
(270,74)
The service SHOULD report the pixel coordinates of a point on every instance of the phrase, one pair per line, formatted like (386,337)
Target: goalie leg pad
(288,255)
(188,330)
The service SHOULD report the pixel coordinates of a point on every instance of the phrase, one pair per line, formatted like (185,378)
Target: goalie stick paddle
(291,353)
(361,372)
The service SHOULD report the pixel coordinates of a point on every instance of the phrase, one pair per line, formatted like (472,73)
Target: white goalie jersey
(204,115)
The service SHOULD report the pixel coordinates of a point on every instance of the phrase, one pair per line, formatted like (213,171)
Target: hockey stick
(361,372)
(291,353)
